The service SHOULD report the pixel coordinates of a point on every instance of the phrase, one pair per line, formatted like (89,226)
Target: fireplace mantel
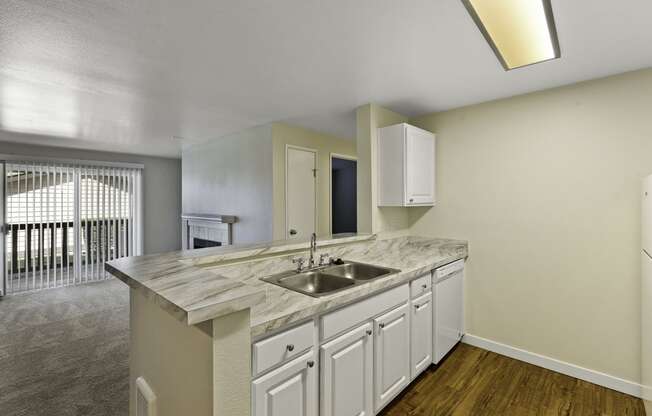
(205,230)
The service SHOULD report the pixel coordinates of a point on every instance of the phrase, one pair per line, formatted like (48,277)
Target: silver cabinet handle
(290,347)
(381,325)
(424,286)
(369,332)
(293,232)
(411,199)
(311,364)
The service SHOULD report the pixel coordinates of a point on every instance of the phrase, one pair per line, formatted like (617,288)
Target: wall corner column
(371,219)
(232,364)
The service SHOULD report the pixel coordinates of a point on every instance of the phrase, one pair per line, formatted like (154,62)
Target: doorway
(300,192)
(344,194)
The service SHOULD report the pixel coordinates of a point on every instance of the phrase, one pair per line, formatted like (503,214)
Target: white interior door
(646,326)
(300,202)
(646,215)
(646,290)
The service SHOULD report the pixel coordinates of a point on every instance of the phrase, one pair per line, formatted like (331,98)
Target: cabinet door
(419,167)
(449,315)
(347,374)
(392,355)
(290,390)
(421,325)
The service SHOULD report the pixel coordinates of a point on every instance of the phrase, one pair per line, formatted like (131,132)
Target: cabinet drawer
(420,286)
(282,347)
(350,316)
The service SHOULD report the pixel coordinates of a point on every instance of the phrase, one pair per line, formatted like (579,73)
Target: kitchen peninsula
(195,314)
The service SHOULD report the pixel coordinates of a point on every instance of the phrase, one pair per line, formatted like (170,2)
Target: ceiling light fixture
(520,32)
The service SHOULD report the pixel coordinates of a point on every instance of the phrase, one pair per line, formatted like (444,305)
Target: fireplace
(206,230)
(203,243)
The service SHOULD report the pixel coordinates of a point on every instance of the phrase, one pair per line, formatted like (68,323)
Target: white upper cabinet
(406,166)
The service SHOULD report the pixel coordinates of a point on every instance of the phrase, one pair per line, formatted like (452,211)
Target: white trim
(330,184)
(148,395)
(22,158)
(592,376)
(646,393)
(140,221)
(305,149)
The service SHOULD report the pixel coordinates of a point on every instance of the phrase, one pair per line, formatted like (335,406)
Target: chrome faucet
(313,248)
(300,261)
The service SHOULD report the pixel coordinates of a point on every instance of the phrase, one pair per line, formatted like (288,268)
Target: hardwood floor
(472,381)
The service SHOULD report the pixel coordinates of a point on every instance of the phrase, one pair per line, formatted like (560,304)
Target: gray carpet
(65,351)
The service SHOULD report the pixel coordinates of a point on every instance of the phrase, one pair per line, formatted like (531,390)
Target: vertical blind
(64,221)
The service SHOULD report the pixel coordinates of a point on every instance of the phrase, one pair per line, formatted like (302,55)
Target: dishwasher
(448,287)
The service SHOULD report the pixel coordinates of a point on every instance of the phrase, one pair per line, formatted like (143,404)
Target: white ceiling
(127,76)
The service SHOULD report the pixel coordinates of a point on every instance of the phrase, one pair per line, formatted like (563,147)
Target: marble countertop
(199,285)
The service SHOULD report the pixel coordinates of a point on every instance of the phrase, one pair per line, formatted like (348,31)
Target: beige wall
(175,359)
(284,134)
(198,370)
(371,218)
(545,187)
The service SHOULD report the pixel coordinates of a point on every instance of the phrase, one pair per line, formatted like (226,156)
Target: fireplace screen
(202,243)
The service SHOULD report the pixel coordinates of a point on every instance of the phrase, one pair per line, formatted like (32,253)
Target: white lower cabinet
(421,334)
(290,390)
(364,369)
(392,355)
(347,374)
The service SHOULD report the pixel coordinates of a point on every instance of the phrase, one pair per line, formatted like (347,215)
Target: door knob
(293,231)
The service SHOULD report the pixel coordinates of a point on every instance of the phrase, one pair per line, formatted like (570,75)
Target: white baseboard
(592,376)
(647,394)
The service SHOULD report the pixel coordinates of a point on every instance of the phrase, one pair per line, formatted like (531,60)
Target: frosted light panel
(521,32)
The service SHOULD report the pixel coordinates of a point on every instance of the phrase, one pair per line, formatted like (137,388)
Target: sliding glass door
(64,221)
(3,276)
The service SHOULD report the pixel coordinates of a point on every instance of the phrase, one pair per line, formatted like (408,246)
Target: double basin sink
(329,279)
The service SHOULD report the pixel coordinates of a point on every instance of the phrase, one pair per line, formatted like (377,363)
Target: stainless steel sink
(329,279)
(358,271)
